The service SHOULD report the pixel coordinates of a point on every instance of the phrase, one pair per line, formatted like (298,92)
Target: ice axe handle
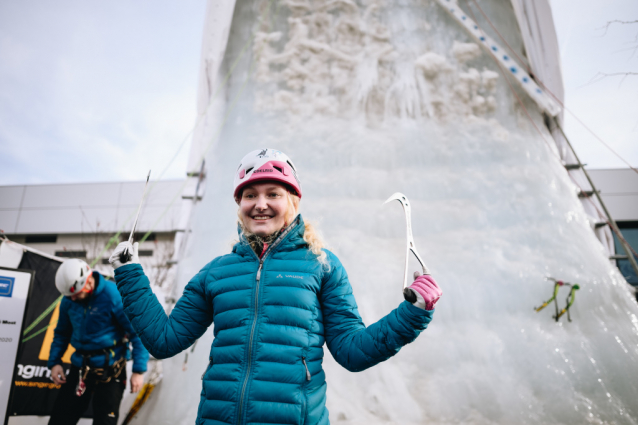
(125,256)
(409,295)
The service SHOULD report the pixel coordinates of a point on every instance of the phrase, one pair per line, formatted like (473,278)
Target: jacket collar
(291,237)
(99,282)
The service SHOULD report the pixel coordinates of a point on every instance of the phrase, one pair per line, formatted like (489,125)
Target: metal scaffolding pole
(596,193)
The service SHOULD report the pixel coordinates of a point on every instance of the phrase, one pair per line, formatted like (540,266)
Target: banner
(34,393)
(14,293)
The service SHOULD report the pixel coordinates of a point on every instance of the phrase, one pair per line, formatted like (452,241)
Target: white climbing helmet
(71,276)
(263,165)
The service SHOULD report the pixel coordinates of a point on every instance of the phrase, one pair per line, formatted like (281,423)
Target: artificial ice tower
(456,105)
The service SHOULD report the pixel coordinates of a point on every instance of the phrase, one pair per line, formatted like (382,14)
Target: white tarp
(10,254)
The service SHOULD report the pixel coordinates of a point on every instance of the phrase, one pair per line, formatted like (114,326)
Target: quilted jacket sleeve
(61,335)
(164,336)
(140,354)
(352,344)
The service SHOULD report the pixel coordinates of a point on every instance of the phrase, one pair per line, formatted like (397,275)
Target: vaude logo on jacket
(289,275)
(6,286)
(8,322)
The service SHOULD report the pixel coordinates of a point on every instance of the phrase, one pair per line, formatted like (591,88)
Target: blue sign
(6,286)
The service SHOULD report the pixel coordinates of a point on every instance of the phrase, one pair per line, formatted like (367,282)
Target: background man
(92,320)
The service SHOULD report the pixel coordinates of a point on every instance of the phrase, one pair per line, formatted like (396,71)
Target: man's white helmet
(72,276)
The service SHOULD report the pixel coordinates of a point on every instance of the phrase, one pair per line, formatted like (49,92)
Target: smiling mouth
(261,217)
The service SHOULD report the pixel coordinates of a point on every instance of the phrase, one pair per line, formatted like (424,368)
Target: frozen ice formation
(337,57)
(464,52)
(432,64)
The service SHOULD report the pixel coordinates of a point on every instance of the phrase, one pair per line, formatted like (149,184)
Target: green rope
(36,334)
(42,316)
(114,239)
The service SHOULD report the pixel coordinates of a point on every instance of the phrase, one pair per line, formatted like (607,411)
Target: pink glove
(426,290)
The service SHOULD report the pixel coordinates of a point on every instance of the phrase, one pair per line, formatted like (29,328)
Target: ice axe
(410,246)
(126,256)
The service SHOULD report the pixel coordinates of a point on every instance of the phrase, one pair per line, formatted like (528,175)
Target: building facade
(87,220)
(619,190)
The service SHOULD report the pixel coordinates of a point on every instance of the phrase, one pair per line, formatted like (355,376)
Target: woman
(274,300)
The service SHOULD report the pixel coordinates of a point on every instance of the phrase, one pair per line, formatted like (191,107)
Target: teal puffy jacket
(271,318)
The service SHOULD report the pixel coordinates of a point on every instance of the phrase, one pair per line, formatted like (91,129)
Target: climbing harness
(569,302)
(101,374)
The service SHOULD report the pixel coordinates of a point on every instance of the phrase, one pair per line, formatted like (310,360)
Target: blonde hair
(311,235)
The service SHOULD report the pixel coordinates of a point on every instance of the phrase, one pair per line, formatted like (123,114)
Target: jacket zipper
(303,395)
(250,343)
(83,326)
(308,377)
(210,363)
(252,331)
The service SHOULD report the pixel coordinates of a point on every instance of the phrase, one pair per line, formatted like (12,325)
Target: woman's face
(262,208)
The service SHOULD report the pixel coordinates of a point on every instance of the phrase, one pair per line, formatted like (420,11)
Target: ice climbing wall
(374,97)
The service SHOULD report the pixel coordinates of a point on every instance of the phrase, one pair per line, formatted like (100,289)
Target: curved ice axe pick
(407,294)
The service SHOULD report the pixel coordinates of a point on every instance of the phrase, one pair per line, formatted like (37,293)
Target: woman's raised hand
(426,290)
(115,259)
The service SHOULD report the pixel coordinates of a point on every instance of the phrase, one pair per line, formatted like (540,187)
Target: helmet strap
(85,288)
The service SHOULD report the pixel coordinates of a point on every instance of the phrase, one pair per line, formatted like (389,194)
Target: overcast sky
(103,91)
(96,90)
(607,105)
